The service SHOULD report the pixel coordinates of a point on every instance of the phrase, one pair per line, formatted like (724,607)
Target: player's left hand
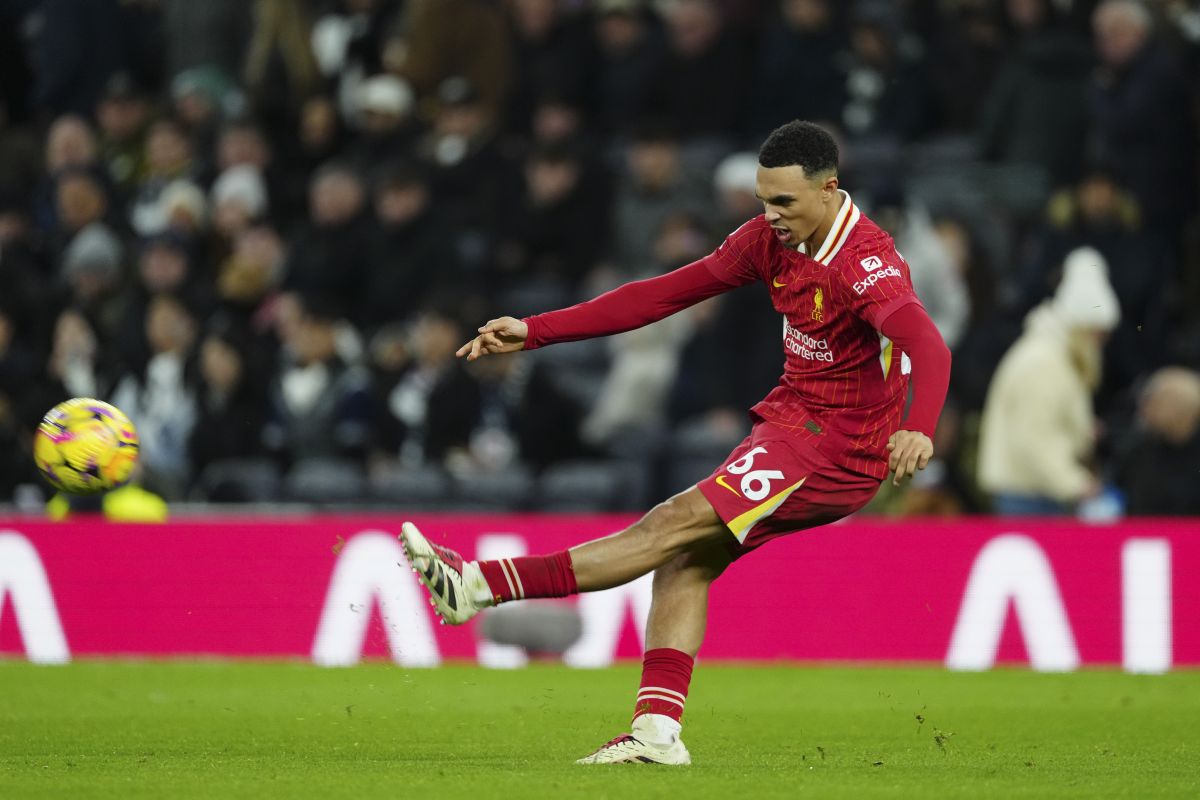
(909,451)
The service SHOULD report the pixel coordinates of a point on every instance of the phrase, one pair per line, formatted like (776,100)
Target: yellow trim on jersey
(885,356)
(740,525)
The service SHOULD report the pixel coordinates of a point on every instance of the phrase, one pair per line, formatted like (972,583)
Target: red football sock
(666,674)
(530,576)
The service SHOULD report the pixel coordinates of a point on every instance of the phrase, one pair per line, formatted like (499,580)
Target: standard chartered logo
(875,277)
(800,343)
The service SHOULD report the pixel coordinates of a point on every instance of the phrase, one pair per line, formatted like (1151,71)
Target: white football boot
(646,744)
(456,587)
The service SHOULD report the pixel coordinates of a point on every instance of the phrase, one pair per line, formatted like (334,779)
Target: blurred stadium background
(262,227)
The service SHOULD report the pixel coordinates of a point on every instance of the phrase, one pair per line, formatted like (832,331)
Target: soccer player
(854,334)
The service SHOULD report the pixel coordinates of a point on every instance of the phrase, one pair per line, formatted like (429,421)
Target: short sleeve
(877,283)
(740,258)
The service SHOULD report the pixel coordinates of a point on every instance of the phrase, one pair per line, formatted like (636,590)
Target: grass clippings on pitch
(217,730)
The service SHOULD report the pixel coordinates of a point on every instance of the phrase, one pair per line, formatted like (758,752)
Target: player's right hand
(503,335)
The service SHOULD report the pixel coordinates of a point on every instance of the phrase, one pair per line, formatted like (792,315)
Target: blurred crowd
(262,228)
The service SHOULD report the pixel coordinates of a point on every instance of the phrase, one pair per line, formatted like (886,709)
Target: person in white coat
(1039,429)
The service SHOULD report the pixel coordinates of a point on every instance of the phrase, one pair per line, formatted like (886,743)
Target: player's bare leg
(459,589)
(674,632)
(679,612)
(670,529)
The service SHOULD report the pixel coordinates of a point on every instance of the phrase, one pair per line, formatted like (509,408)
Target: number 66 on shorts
(774,483)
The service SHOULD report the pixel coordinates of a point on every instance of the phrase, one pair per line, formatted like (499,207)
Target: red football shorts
(774,484)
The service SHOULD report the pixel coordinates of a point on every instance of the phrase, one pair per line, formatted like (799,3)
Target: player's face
(794,204)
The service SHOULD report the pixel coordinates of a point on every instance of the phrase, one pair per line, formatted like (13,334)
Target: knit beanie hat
(1085,298)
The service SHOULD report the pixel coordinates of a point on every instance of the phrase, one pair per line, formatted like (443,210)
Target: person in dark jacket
(411,249)
(326,255)
(1141,115)
(1158,468)
(230,406)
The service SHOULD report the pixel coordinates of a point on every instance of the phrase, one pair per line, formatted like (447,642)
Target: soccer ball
(85,446)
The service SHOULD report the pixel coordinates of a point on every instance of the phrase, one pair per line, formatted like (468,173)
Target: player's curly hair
(800,143)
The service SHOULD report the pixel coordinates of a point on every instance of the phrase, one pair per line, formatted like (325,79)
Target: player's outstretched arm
(502,335)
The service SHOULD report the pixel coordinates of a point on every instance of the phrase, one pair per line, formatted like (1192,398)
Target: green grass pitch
(264,730)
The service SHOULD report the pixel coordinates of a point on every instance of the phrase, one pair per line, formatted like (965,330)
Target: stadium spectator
(701,52)
(1036,111)
(559,119)
(166,265)
(169,157)
(201,98)
(326,256)
(1142,121)
(1158,467)
(411,249)
(547,55)
(967,48)
(230,406)
(159,396)
(242,142)
(348,42)
(184,210)
(123,115)
(247,279)
(70,146)
(317,402)
(523,417)
(624,62)
(462,151)
(92,271)
(79,364)
(989,331)
(385,120)
(654,185)
(1098,212)
(802,47)
(735,183)
(553,223)
(1038,438)
(240,199)
(443,39)
(425,402)
(80,200)
(888,92)
(319,136)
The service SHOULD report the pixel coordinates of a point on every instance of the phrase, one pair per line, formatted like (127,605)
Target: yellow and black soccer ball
(85,446)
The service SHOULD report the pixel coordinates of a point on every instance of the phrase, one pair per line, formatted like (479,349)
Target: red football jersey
(844,386)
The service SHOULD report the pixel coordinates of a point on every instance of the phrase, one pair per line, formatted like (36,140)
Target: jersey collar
(847,217)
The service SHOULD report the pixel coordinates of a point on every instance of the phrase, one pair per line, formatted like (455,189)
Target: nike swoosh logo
(777,284)
(721,480)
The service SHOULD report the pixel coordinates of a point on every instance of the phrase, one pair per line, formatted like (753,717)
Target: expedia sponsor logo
(860,287)
(800,343)
(871,263)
